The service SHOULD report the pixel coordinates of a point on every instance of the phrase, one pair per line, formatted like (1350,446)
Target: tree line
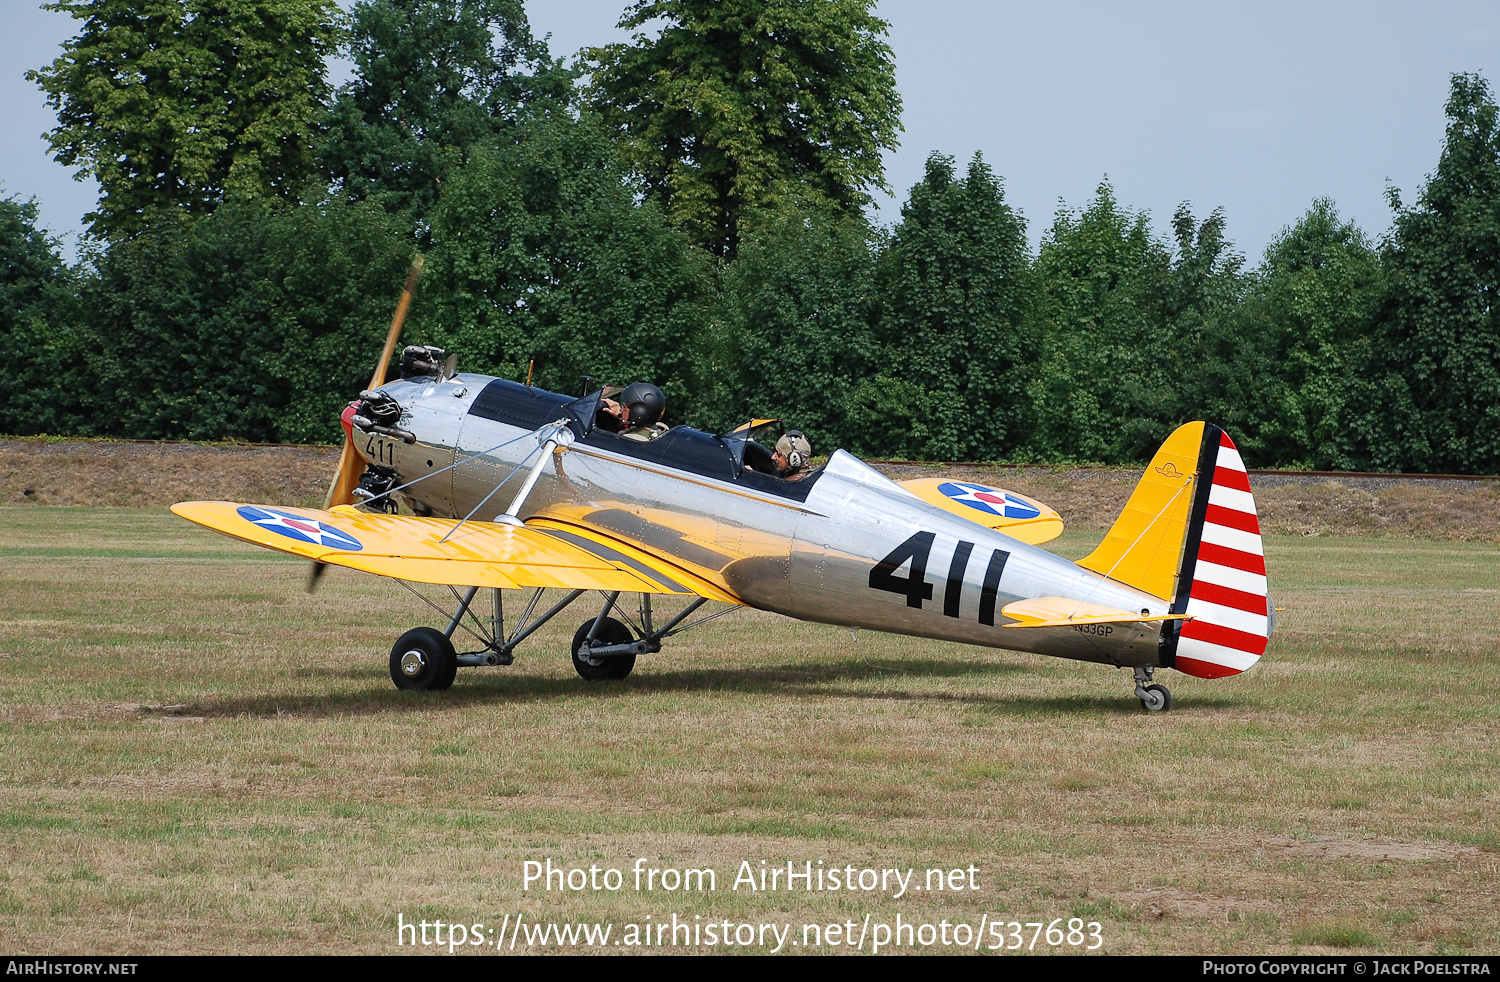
(690,208)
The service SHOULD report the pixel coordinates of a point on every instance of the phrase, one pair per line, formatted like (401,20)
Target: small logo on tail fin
(1169,470)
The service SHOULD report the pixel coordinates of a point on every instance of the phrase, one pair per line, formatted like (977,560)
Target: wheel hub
(413,663)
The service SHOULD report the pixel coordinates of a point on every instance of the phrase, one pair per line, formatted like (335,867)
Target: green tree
(799,311)
(175,104)
(1101,281)
(1196,361)
(1302,344)
(434,78)
(1435,406)
(956,289)
(541,251)
(735,104)
(1137,336)
(37,312)
(253,323)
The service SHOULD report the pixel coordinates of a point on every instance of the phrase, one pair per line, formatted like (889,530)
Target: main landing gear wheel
(610,667)
(1158,699)
(423,658)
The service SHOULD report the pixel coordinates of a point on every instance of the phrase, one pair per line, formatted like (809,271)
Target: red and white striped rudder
(1221,583)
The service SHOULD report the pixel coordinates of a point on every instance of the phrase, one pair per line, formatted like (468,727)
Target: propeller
(351,465)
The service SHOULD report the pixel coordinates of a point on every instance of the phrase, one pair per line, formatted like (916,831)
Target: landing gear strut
(1154,698)
(603,647)
(607,633)
(424,657)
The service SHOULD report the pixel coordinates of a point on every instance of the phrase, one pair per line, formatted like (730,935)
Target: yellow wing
(478,554)
(1043,526)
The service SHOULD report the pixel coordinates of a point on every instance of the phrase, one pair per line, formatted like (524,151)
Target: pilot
(637,415)
(611,417)
(792,454)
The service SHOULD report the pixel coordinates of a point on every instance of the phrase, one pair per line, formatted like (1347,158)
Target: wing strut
(558,435)
(561,436)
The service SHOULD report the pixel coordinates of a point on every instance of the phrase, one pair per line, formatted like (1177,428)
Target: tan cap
(795,447)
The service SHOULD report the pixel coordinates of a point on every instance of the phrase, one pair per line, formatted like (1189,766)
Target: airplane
(511,487)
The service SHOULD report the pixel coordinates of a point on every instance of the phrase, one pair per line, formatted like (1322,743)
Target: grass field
(198,757)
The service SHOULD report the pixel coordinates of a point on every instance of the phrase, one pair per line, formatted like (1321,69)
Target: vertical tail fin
(1190,534)
(1144,547)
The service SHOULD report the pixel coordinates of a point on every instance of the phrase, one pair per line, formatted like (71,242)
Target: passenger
(793,452)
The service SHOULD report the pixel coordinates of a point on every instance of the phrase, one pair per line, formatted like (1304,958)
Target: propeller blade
(378,378)
(315,574)
(346,477)
(351,466)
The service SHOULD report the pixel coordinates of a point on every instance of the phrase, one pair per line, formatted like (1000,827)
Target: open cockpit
(734,457)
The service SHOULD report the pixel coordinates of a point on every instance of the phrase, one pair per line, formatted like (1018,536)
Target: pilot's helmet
(796,448)
(645,403)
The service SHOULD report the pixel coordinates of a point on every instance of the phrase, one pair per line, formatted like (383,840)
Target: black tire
(602,669)
(423,658)
(1158,699)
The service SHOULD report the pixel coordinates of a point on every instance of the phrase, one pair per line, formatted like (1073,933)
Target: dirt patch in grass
(1411,852)
(1454,511)
(1160,904)
(105,711)
(154,475)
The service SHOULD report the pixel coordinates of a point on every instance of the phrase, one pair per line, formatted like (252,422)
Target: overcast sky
(1256,108)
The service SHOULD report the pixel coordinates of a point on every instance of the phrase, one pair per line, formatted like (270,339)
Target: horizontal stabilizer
(1064,612)
(444,551)
(1006,512)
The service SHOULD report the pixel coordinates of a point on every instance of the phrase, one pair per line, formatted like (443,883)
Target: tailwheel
(601,667)
(423,658)
(1156,698)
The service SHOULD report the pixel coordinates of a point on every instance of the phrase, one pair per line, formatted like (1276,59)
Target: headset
(795,459)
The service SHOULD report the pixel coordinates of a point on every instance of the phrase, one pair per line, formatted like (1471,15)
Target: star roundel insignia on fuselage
(987,499)
(299,528)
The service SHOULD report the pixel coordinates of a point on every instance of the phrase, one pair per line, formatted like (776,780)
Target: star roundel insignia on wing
(299,528)
(987,499)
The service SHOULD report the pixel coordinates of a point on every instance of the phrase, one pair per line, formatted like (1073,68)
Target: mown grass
(197,756)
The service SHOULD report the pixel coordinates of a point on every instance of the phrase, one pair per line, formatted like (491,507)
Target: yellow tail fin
(1144,548)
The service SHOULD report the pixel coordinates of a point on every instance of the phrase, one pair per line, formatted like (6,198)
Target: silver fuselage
(811,552)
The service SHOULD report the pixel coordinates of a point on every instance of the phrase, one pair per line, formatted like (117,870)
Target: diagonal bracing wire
(519,467)
(468,610)
(456,463)
(423,597)
(1159,514)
